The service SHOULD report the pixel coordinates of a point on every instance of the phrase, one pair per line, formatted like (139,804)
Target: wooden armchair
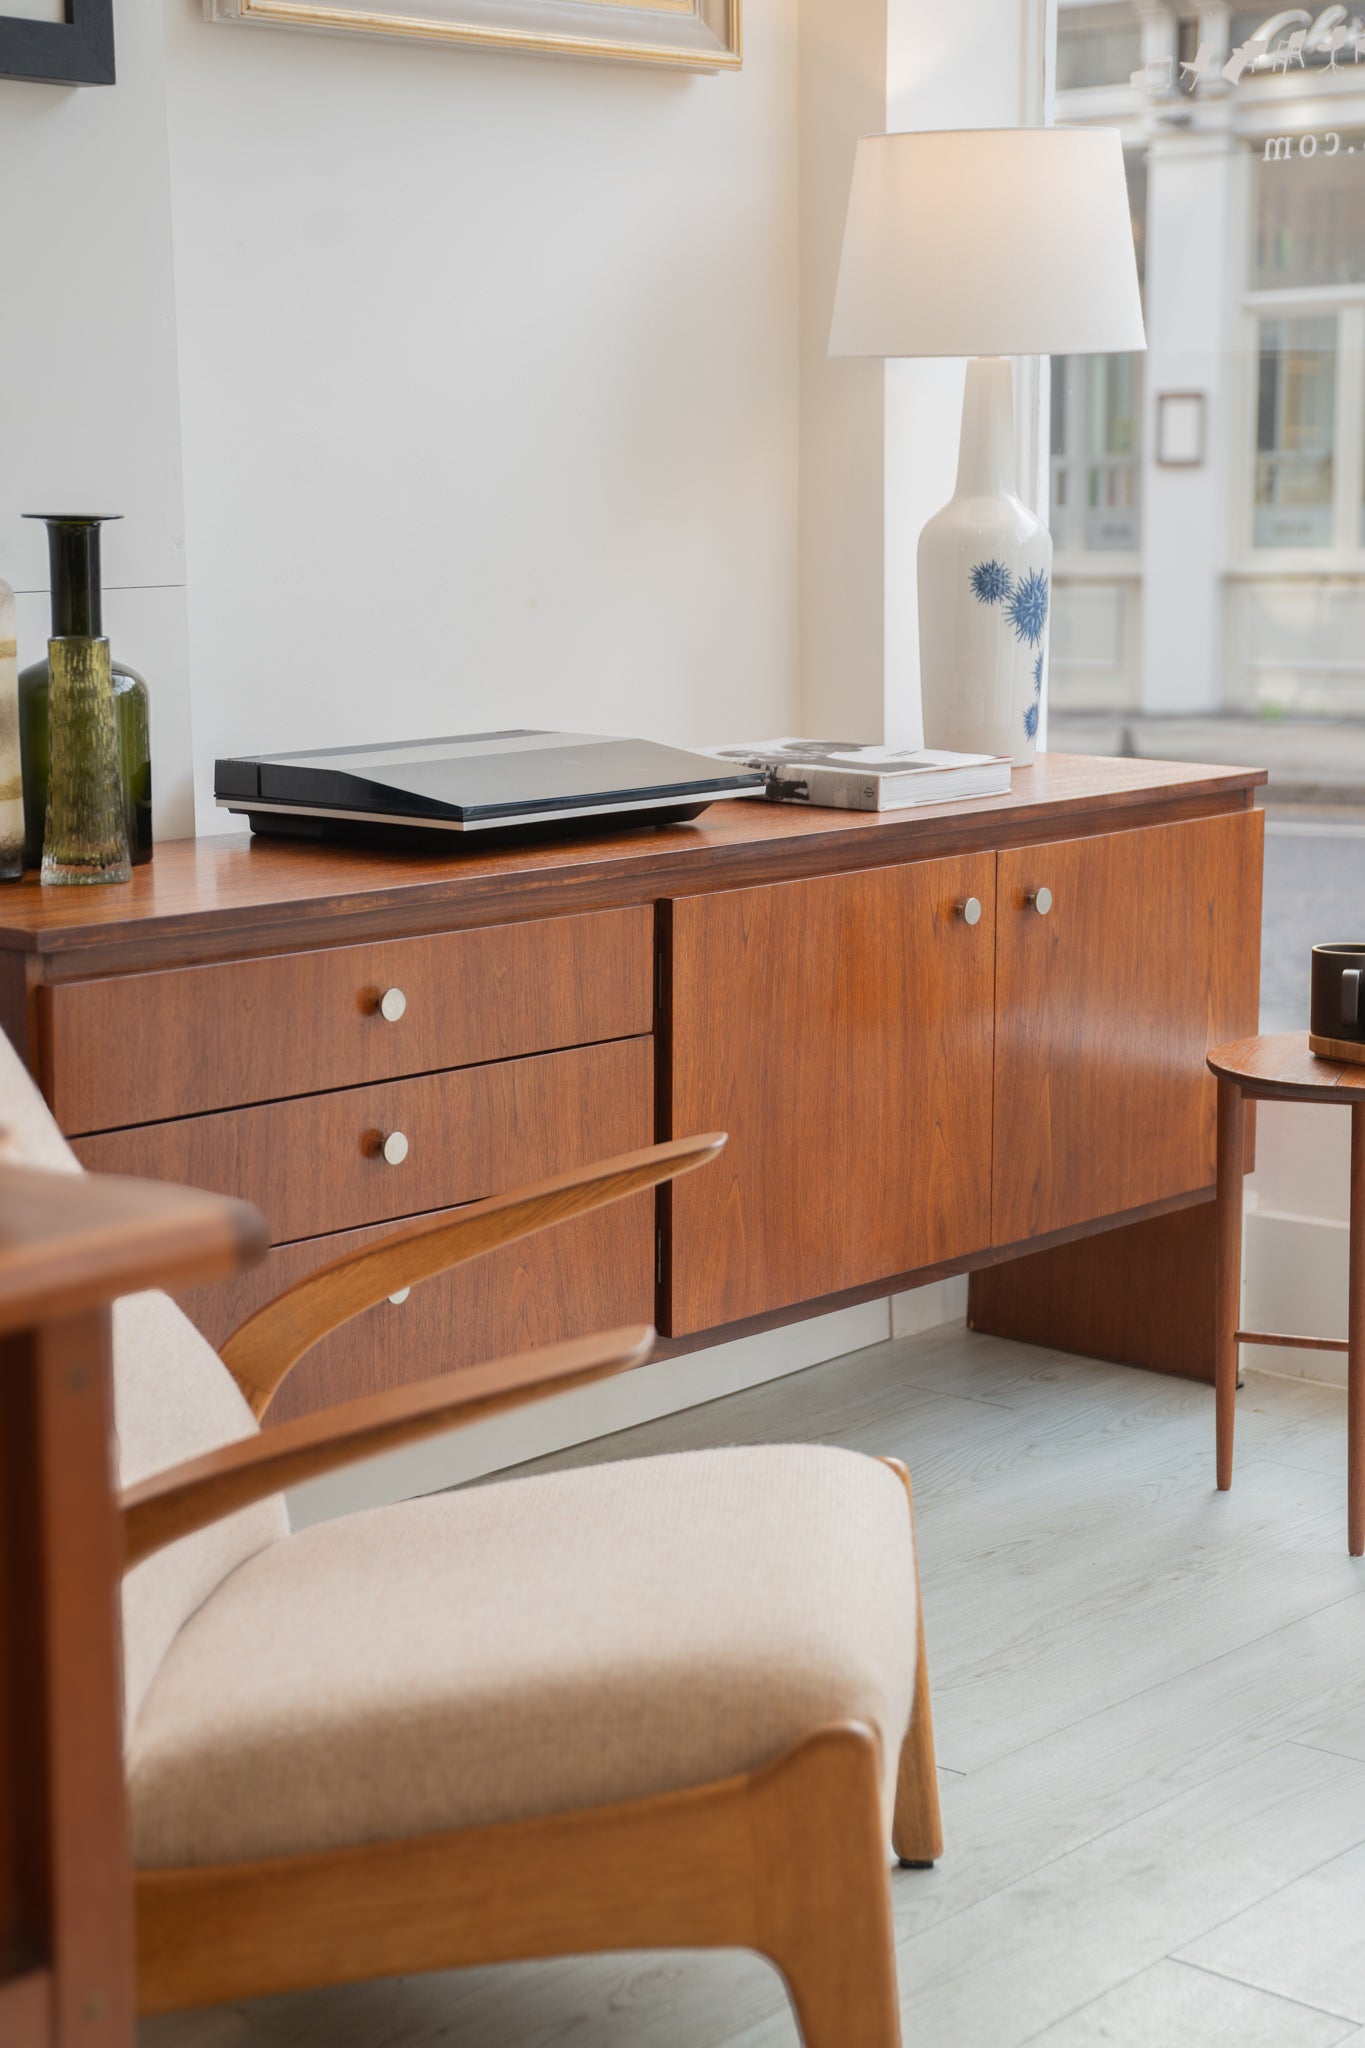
(648,1705)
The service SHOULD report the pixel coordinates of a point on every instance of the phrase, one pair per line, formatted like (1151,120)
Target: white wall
(501,382)
(89,412)
(484,369)
(1295,1269)
(843,408)
(489,387)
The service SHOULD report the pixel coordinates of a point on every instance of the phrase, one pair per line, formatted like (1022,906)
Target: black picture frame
(77,51)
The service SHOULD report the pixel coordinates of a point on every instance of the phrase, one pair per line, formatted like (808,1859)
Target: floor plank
(1171,2003)
(1343,1732)
(1306,1941)
(1151,1711)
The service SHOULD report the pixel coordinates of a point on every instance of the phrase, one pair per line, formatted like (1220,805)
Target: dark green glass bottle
(73,544)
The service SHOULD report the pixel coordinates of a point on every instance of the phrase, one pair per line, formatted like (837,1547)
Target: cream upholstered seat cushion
(527,1648)
(173,1399)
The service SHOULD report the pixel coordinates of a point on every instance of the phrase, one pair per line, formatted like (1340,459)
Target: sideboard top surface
(200,896)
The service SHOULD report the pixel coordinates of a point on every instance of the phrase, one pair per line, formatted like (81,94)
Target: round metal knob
(392,1005)
(1041,899)
(395,1147)
(970,911)
(401,1296)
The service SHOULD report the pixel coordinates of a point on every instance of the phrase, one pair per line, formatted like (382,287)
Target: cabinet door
(1105,1009)
(840,1030)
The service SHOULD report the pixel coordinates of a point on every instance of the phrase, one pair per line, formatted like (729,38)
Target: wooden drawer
(138,1047)
(314,1165)
(592,1274)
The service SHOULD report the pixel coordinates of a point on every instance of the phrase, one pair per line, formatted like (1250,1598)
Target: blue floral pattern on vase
(992,583)
(1032,710)
(1026,607)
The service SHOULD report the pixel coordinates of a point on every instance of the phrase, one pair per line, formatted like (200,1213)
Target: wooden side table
(1280,1068)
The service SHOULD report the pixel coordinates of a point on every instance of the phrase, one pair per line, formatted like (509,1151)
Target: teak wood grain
(840,1030)
(227,897)
(144,1047)
(1279,1067)
(314,1165)
(263,1349)
(566,1282)
(1106,1009)
(62,1557)
(67,1248)
(82,1242)
(788,1861)
(1139,1295)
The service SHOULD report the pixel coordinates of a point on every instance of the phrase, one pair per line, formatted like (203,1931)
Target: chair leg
(916,1826)
(825,1908)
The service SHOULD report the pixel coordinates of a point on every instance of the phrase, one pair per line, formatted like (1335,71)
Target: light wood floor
(1151,1714)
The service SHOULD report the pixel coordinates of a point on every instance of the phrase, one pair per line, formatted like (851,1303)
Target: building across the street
(1208,498)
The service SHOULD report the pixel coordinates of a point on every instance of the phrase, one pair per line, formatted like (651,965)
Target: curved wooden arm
(187,1497)
(261,1350)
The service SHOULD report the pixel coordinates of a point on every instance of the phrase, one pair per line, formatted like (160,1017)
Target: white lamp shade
(988,242)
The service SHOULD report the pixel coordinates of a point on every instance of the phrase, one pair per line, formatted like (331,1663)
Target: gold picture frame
(692,35)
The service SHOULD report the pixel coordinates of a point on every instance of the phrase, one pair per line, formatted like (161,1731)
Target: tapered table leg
(1355,1383)
(1228,1289)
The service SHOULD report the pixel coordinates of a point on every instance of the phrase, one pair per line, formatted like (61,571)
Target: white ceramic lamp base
(985,589)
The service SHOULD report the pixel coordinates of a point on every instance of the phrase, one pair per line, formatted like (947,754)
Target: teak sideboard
(922,1069)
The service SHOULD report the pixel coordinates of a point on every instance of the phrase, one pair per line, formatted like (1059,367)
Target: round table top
(1281,1066)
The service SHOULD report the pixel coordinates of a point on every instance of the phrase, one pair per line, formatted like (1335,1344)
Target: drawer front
(138,1047)
(592,1274)
(317,1164)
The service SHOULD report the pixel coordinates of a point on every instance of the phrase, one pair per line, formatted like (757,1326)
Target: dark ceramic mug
(1337,1012)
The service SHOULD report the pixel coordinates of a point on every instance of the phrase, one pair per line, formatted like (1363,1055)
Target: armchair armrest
(187,1497)
(261,1350)
(74,1241)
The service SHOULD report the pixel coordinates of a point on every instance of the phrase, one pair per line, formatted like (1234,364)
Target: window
(1295,430)
(1299,40)
(1097,46)
(1308,210)
(1097,430)
(1096,464)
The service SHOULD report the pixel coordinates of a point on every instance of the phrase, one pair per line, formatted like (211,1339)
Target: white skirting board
(663,1388)
(1294,1279)
(1294,1262)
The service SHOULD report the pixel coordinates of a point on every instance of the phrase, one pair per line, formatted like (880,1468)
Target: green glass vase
(74,559)
(85,838)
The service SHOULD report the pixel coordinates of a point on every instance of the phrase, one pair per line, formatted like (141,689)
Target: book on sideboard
(845,775)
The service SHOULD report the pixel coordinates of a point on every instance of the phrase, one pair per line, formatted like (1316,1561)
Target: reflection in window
(1295,417)
(1096,457)
(1097,428)
(1309,219)
(1317,50)
(1094,48)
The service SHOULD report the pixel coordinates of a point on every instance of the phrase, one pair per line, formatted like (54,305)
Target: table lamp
(987,243)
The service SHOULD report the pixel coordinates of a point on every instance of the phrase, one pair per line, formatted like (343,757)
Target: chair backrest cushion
(173,1399)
